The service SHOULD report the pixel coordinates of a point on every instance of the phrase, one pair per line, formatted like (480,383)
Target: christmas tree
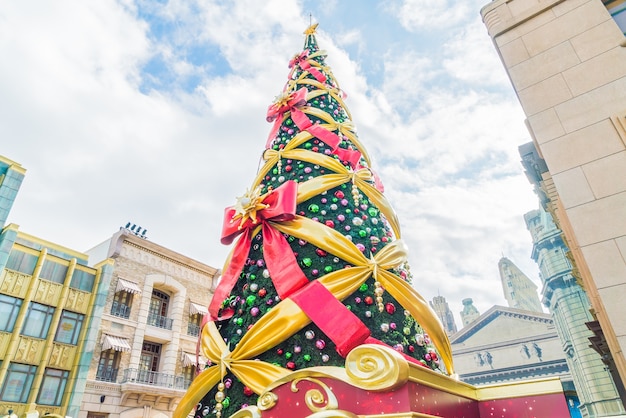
(317,266)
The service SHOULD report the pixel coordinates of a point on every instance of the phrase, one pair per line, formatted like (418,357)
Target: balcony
(193,330)
(160,321)
(120,310)
(144,377)
(106,374)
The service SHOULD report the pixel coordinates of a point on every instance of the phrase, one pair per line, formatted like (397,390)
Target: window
(17,383)
(22,262)
(157,314)
(149,362)
(159,303)
(193,327)
(122,302)
(108,365)
(9,308)
(82,280)
(189,373)
(53,271)
(38,320)
(150,356)
(52,387)
(69,327)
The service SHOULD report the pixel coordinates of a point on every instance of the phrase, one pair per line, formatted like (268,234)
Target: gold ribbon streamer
(323,89)
(342,283)
(317,185)
(289,319)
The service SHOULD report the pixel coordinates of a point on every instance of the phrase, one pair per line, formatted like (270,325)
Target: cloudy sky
(153,112)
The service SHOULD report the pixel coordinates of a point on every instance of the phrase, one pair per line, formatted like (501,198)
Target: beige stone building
(144,356)
(567,63)
(508,344)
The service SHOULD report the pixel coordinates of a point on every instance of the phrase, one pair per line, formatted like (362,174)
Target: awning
(109,342)
(126,286)
(195,308)
(189,360)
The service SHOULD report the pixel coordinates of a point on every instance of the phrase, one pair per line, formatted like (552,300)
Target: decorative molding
(15,283)
(62,356)
(78,301)
(29,350)
(164,263)
(48,292)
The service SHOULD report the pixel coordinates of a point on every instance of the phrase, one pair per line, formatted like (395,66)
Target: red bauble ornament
(291,365)
(321,252)
(280,351)
(339,194)
(247,391)
(390,308)
(369,300)
(262,292)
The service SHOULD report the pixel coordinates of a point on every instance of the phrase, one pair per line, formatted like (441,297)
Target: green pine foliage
(359,220)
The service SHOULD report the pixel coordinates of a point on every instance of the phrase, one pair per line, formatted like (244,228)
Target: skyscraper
(566,62)
(569,307)
(441,308)
(519,291)
(469,313)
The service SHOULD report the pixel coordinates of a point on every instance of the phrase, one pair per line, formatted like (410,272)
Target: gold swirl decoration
(267,400)
(315,397)
(376,368)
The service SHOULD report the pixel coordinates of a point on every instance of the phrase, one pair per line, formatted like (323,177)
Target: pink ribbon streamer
(292,103)
(301,60)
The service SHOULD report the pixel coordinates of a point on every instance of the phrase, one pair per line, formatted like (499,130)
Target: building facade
(48,294)
(508,345)
(519,291)
(569,307)
(441,308)
(567,63)
(144,356)
(469,313)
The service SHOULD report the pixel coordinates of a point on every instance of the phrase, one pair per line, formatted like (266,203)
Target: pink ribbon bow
(301,60)
(292,102)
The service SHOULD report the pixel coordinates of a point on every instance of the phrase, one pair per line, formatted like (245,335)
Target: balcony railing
(121,310)
(146,377)
(106,374)
(160,321)
(193,330)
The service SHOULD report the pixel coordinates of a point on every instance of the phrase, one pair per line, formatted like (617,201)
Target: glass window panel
(38,320)
(69,327)
(53,271)
(52,387)
(17,383)
(82,280)
(9,308)
(22,262)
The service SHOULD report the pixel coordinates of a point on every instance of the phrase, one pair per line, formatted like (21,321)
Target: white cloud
(418,15)
(99,152)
